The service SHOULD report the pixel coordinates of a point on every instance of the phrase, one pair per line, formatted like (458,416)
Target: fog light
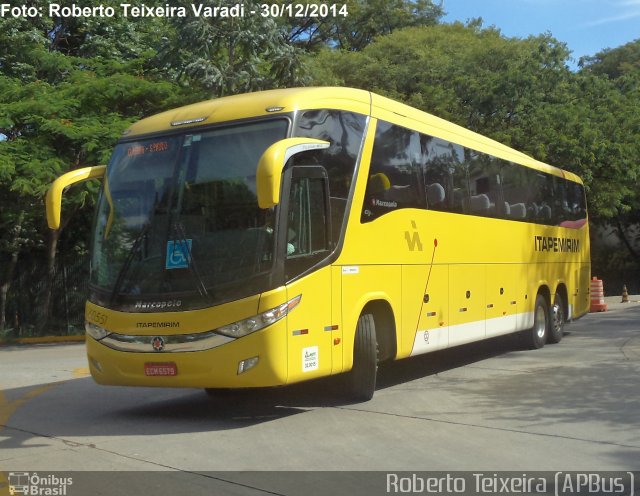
(247,364)
(96,364)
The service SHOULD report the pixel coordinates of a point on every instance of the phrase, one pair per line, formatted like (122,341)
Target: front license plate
(162,369)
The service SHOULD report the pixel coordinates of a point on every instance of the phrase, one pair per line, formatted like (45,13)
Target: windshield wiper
(191,262)
(127,263)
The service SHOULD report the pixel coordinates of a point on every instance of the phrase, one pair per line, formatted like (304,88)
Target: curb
(44,340)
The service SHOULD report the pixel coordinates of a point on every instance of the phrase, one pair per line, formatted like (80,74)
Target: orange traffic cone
(597,296)
(625,294)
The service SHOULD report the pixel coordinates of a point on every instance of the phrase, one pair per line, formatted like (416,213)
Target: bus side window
(514,190)
(308,221)
(440,160)
(576,201)
(344,130)
(395,175)
(485,185)
(538,208)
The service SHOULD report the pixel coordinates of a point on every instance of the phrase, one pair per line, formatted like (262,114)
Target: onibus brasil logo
(34,485)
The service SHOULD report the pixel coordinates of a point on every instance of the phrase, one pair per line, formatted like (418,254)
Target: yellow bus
(275,237)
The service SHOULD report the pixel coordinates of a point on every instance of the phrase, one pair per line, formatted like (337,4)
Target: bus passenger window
(440,160)
(515,190)
(485,185)
(395,177)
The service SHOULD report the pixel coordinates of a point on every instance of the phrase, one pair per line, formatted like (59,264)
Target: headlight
(95,331)
(260,321)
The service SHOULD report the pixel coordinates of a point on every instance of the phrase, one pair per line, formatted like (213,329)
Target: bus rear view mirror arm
(272,162)
(53,200)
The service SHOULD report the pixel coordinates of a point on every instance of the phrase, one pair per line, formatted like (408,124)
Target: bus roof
(274,102)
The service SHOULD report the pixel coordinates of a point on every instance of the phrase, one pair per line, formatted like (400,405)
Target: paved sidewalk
(615,302)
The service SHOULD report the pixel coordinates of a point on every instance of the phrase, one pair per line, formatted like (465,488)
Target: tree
(359,22)
(221,56)
(614,62)
(68,88)
(620,67)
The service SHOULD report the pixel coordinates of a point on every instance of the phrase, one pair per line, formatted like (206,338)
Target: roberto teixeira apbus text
(558,483)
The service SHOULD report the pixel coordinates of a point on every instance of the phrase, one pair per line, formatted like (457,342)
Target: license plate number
(165,369)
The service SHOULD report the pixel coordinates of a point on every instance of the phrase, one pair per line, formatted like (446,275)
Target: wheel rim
(558,318)
(540,322)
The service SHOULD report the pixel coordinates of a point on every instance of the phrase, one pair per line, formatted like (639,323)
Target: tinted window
(441,175)
(515,191)
(307,225)
(395,177)
(485,189)
(344,130)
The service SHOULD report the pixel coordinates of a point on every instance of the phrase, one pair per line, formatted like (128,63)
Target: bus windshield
(178,218)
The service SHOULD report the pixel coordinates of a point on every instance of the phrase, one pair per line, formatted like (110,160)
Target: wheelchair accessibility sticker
(178,254)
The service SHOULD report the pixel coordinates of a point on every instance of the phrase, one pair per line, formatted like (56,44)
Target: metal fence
(26,315)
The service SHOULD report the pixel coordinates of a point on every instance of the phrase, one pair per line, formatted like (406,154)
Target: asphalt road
(492,406)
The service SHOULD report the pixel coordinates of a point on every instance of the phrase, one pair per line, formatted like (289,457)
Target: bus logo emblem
(413,239)
(178,254)
(157,343)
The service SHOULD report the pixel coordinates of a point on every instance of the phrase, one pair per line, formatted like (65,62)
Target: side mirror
(53,200)
(272,162)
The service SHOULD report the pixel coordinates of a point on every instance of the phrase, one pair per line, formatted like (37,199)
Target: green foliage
(365,20)
(614,62)
(220,56)
(68,89)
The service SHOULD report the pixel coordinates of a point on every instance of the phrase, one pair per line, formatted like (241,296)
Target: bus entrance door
(310,329)
(307,233)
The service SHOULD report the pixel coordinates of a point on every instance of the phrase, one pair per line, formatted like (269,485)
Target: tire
(361,380)
(558,320)
(537,335)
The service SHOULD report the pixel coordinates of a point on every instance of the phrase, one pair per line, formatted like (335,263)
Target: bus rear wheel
(361,380)
(537,335)
(558,319)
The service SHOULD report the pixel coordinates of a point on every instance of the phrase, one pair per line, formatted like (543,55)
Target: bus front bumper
(251,361)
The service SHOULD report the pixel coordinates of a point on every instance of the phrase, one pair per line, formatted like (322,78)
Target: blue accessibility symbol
(178,254)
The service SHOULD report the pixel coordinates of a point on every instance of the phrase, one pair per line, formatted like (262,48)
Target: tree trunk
(4,289)
(43,325)
(626,242)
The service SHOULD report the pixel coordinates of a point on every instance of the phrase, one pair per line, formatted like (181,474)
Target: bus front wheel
(361,380)
(537,335)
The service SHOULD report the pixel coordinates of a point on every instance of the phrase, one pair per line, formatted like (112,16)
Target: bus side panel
(362,284)
(337,334)
(501,297)
(466,303)
(582,297)
(309,327)
(523,303)
(429,308)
